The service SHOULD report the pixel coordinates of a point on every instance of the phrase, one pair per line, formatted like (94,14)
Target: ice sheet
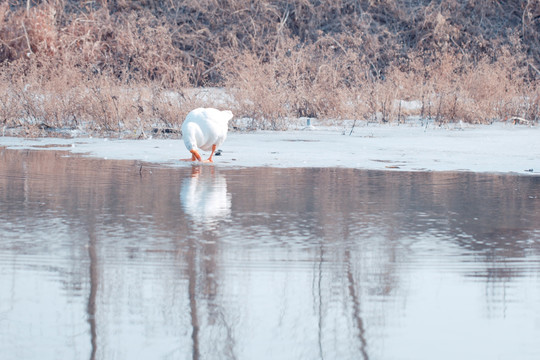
(500,148)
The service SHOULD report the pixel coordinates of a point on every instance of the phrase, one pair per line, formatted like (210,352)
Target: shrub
(126,66)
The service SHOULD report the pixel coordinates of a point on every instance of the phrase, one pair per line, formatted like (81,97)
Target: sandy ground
(497,148)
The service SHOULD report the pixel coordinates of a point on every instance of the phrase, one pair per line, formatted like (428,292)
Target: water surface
(122,260)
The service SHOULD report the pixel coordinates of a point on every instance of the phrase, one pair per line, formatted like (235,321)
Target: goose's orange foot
(211,154)
(194,156)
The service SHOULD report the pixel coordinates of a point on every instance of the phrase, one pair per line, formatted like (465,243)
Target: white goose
(206,129)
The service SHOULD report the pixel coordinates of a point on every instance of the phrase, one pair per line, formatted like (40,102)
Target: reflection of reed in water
(204,196)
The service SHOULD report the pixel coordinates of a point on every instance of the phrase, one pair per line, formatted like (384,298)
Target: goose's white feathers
(205,127)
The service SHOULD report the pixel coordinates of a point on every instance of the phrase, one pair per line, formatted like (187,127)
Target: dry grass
(125,66)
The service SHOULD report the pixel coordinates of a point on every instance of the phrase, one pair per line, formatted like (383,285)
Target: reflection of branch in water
(356,307)
(192,292)
(94,282)
(319,294)
(497,280)
(205,310)
(227,352)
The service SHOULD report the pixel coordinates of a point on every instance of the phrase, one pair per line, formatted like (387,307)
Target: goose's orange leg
(211,154)
(194,156)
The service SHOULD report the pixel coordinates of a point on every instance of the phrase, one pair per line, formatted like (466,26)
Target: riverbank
(496,148)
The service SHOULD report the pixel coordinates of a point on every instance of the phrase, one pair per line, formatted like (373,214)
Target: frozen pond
(105,259)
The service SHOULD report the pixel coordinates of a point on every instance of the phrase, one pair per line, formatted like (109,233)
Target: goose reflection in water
(204,196)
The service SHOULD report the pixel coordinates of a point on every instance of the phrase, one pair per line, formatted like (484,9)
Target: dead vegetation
(126,66)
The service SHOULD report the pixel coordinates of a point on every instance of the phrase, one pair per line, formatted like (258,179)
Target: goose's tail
(227,115)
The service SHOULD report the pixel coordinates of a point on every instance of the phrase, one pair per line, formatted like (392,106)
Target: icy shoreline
(497,148)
